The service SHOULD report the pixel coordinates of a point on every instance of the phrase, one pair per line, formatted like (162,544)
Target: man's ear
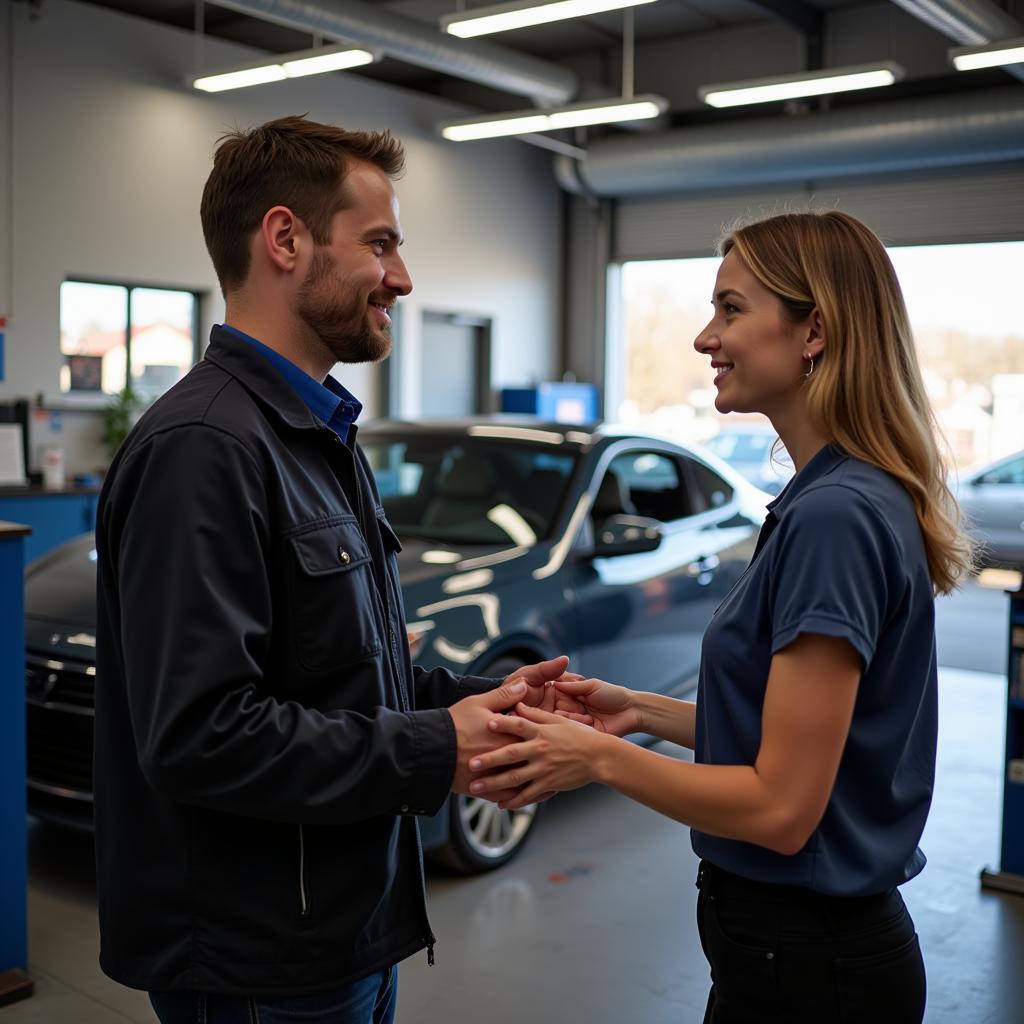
(281,236)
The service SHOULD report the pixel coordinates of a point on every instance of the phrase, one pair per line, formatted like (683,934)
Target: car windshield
(467,490)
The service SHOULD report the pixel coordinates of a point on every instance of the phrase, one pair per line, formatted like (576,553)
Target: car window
(650,484)
(1008,473)
(712,490)
(470,491)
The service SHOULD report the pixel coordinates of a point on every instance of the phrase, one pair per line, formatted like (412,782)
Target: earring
(807,375)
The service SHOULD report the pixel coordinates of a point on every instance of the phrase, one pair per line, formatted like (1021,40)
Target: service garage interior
(562,264)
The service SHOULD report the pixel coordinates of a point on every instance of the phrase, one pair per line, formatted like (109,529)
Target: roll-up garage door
(977,206)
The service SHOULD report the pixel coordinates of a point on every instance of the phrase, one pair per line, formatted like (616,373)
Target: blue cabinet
(14,982)
(559,401)
(1010,877)
(55,516)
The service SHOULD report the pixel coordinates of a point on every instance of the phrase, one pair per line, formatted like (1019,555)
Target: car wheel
(481,836)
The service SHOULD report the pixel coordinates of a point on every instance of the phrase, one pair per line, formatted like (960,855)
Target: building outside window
(114,336)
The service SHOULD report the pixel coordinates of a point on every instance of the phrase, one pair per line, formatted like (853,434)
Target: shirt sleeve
(836,571)
(440,688)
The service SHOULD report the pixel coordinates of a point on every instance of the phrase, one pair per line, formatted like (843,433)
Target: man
(263,743)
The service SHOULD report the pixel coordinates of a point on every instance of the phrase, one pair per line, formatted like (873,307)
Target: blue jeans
(367,1001)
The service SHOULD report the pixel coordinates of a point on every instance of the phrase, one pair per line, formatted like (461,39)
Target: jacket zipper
(384,609)
(303,900)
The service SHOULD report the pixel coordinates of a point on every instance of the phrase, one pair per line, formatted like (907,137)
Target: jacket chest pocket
(332,597)
(392,545)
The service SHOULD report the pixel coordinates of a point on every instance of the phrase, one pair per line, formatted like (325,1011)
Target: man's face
(352,283)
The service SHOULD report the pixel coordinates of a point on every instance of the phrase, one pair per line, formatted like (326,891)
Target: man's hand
(541,679)
(472,735)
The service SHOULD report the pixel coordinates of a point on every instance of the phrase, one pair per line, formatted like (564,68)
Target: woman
(814,728)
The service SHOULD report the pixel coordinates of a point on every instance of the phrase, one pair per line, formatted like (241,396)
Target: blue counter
(14,983)
(54,516)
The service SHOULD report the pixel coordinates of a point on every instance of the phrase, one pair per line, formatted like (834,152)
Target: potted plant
(119,418)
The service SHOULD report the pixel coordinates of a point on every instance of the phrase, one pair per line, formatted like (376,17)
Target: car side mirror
(626,535)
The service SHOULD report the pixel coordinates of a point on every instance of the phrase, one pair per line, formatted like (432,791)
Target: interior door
(455,379)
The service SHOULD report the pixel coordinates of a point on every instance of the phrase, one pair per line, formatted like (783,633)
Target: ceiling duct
(422,45)
(967,22)
(974,128)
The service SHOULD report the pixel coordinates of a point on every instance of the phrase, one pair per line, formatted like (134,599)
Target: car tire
(481,836)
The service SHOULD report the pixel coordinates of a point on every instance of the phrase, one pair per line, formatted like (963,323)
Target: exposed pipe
(415,43)
(978,127)
(967,22)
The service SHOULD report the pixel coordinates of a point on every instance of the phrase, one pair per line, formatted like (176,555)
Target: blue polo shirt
(840,554)
(329,402)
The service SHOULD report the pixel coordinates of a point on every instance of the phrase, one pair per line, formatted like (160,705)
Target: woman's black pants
(784,954)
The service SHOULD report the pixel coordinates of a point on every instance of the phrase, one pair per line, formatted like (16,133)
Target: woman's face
(756,352)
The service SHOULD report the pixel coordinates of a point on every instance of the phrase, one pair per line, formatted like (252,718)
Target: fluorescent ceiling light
(524,122)
(969,58)
(318,63)
(240,79)
(502,17)
(807,83)
(286,65)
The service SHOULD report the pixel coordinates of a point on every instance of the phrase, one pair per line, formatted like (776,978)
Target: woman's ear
(814,342)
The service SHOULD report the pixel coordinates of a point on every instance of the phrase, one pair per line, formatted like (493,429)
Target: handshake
(543,730)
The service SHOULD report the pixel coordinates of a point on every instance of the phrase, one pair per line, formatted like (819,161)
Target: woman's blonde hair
(866,393)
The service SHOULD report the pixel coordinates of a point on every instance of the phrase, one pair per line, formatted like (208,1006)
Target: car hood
(420,561)
(60,587)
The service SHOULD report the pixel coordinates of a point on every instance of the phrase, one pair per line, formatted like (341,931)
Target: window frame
(130,286)
(683,477)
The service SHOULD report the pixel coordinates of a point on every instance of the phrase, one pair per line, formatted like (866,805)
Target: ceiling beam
(807,20)
(795,13)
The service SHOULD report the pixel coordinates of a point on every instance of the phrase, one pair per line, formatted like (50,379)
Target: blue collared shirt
(841,554)
(329,402)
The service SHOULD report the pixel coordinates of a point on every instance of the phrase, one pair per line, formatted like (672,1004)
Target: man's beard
(341,320)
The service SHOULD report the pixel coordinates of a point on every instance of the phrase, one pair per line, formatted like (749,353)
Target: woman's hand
(541,679)
(604,706)
(554,753)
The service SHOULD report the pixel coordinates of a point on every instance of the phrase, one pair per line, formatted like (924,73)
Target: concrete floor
(594,922)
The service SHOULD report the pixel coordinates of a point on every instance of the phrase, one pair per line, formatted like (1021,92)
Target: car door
(994,506)
(641,617)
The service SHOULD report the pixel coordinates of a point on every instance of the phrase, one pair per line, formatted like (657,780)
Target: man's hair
(289,162)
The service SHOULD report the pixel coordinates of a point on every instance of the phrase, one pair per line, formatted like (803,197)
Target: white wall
(6,54)
(111,151)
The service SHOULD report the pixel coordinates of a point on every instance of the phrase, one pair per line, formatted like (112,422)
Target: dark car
(522,540)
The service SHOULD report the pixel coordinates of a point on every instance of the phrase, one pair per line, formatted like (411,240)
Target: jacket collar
(234,355)
(825,461)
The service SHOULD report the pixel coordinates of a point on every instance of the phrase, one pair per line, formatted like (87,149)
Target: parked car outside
(757,453)
(522,540)
(992,501)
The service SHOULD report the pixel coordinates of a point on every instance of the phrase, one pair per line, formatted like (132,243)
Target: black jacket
(259,752)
